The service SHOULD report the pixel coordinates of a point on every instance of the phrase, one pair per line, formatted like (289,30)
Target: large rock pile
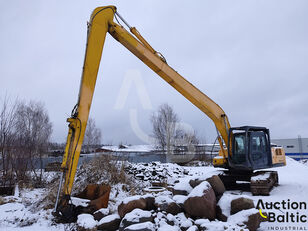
(196,209)
(154,171)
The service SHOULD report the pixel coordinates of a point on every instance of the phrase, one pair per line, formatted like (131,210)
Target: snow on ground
(305,162)
(293,186)
(22,211)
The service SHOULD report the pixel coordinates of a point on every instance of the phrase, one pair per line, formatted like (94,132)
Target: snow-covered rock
(101,213)
(86,222)
(225,202)
(80,202)
(240,204)
(166,227)
(201,202)
(182,187)
(217,185)
(185,224)
(145,226)
(192,228)
(134,217)
(165,203)
(155,171)
(200,189)
(109,223)
(150,202)
(131,203)
(163,200)
(180,199)
(250,218)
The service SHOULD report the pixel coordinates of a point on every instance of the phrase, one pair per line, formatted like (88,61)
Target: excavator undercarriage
(259,182)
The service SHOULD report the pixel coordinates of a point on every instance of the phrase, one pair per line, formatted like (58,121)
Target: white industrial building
(296,148)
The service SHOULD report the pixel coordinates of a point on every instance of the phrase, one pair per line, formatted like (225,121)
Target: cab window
(239,149)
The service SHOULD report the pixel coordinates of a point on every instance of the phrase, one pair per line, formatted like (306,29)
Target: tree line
(26,129)
(25,132)
(25,139)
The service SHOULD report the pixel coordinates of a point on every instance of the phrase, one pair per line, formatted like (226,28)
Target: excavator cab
(250,148)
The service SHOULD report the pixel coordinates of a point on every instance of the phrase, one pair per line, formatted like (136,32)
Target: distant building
(296,148)
(149,153)
(128,148)
(179,149)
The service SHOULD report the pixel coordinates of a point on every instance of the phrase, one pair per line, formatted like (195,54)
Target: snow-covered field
(293,186)
(24,210)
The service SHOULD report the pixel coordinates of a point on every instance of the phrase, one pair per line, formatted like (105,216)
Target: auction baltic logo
(285,211)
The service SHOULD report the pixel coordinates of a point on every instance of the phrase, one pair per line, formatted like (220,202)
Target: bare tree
(164,123)
(7,137)
(168,132)
(186,138)
(25,132)
(33,131)
(93,136)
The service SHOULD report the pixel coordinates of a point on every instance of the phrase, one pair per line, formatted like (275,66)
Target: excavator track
(262,182)
(258,183)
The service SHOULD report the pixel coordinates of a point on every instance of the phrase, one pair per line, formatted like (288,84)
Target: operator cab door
(250,148)
(258,149)
(239,156)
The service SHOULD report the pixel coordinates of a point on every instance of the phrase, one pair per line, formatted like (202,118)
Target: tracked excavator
(243,150)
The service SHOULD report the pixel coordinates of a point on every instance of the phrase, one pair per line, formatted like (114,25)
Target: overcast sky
(250,57)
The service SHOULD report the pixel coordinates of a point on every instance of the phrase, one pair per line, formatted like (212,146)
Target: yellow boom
(102,22)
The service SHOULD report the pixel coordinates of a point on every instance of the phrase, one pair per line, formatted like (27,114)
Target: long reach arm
(102,22)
